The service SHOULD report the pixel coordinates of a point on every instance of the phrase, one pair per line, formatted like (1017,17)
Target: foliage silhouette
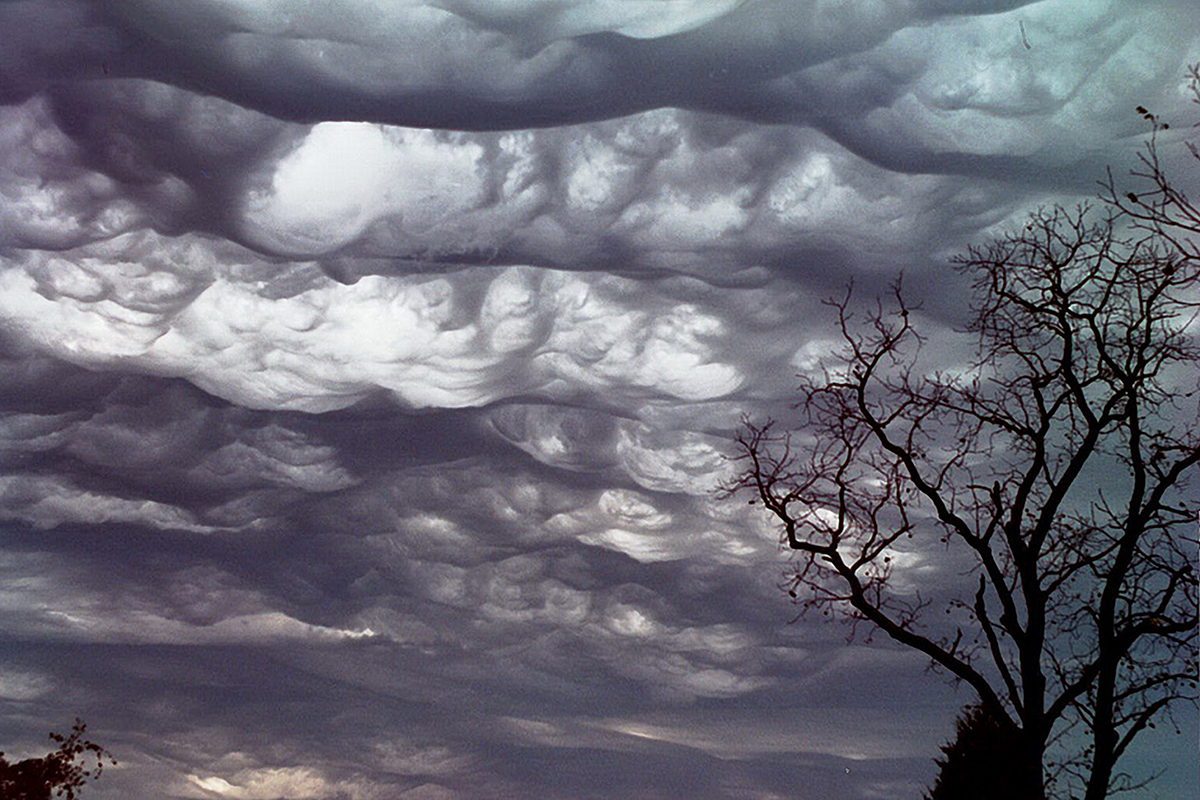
(1056,470)
(984,762)
(56,774)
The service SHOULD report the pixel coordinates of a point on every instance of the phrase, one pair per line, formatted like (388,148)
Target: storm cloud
(369,369)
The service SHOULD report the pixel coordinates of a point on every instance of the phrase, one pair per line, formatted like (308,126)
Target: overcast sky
(368,368)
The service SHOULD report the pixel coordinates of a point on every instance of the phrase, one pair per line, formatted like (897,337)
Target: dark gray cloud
(369,368)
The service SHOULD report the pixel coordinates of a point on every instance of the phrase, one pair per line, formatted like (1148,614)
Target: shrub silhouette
(986,761)
(56,774)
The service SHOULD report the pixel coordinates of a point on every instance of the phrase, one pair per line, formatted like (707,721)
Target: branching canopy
(1057,469)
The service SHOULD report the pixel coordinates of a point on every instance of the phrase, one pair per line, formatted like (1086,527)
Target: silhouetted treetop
(1057,467)
(986,761)
(58,774)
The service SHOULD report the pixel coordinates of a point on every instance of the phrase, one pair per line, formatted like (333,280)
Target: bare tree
(1057,470)
(1162,208)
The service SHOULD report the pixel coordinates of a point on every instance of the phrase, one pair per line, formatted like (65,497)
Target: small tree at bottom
(986,761)
(56,774)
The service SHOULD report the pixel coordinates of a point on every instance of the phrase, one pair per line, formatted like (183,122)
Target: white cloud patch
(57,603)
(47,502)
(345,176)
(426,340)
(23,685)
(267,783)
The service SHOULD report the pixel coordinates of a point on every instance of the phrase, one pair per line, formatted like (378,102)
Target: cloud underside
(369,370)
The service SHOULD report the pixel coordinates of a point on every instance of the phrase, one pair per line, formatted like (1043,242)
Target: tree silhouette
(1054,469)
(1161,209)
(984,761)
(56,774)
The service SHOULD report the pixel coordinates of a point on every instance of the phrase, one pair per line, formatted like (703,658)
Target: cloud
(345,176)
(467,64)
(587,440)
(265,783)
(426,341)
(20,685)
(369,368)
(662,189)
(744,736)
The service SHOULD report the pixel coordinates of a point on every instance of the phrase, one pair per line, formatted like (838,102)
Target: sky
(369,368)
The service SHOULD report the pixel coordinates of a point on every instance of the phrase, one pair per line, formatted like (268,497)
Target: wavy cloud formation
(369,369)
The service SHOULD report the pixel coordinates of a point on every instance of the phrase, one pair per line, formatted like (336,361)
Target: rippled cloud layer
(370,368)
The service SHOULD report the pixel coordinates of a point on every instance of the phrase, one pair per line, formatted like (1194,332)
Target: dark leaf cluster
(986,761)
(58,774)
